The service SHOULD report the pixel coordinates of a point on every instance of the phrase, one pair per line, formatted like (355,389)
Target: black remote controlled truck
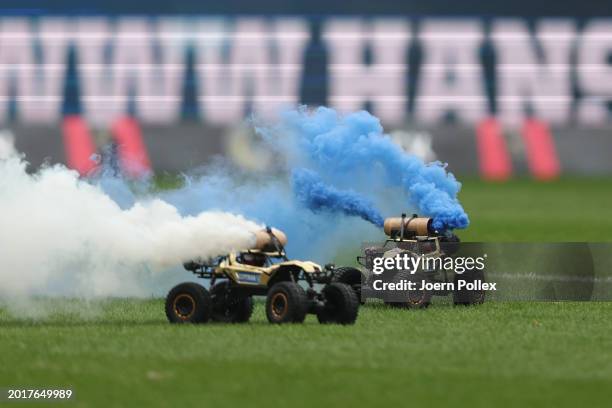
(263,270)
(415,237)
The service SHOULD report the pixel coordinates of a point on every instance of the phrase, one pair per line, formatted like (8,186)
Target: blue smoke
(352,149)
(329,164)
(312,192)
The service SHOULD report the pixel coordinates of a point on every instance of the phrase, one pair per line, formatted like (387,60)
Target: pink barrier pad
(133,156)
(493,154)
(540,148)
(78,144)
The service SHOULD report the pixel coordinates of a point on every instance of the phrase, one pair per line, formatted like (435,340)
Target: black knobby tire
(341,305)
(286,303)
(469,297)
(414,299)
(188,302)
(350,276)
(228,306)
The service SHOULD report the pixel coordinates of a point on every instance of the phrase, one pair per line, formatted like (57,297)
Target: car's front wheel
(286,303)
(188,302)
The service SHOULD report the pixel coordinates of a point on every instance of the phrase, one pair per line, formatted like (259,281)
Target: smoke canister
(264,240)
(416,225)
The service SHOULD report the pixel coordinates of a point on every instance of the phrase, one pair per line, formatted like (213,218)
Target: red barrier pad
(133,156)
(540,148)
(78,144)
(493,155)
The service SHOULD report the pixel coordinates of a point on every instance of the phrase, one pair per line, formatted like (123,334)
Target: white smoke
(62,236)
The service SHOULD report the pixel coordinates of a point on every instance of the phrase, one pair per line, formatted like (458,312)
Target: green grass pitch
(498,354)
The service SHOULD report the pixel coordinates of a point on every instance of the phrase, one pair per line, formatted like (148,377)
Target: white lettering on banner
(43,102)
(595,72)
(153,83)
(525,76)
(16,62)
(383,82)
(117,63)
(132,62)
(256,64)
(93,39)
(232,68)
(250,73)
(290,39)
(165,81)
(451,75)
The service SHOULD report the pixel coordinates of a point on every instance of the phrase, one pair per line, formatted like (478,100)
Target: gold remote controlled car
(263,270)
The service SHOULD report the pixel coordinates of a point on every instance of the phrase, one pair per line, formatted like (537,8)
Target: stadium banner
(522,95)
